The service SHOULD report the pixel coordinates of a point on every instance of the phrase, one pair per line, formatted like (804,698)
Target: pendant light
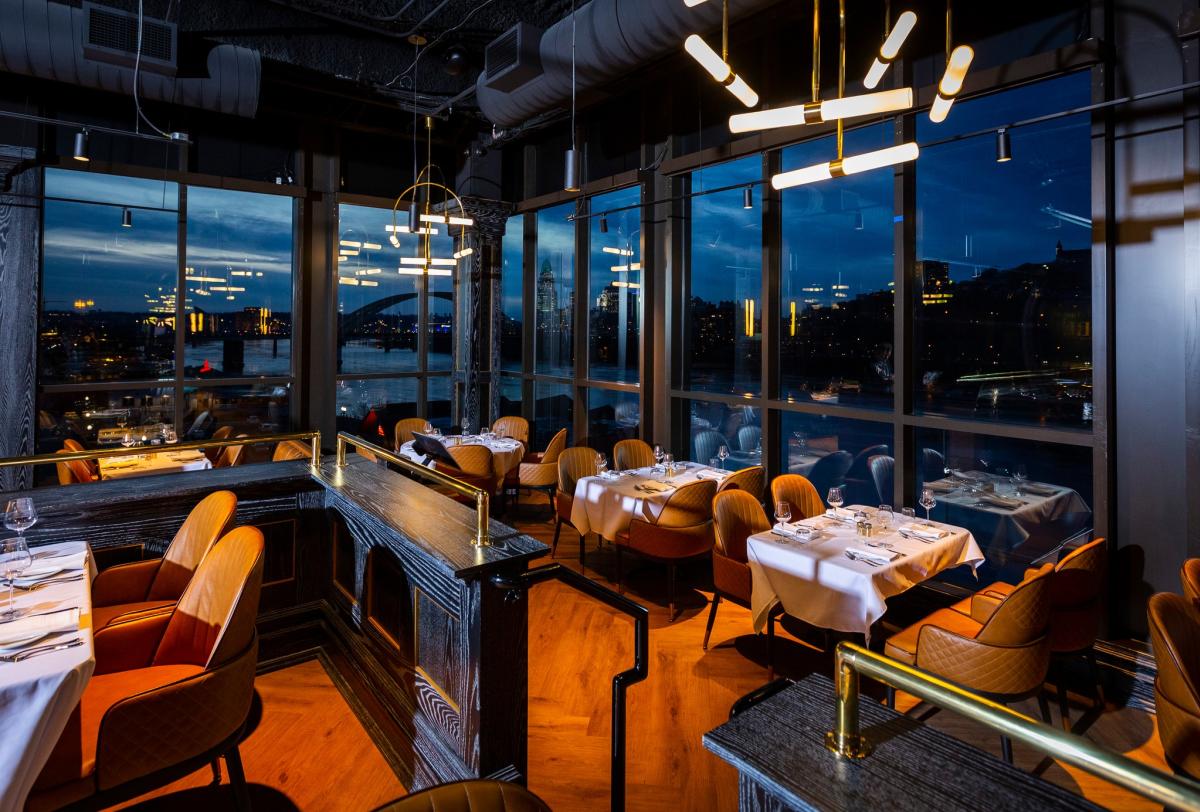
(717,65)
(890,48)
(81,146)
(571,158)
(603,224)
(1003,146)
(958,61)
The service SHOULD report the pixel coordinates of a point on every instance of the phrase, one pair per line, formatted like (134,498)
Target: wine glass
(14,560)
(783,512)
(722,455)
(127,439)
(927,501)
(835,498)
(169,436)
(909,513)
(669,464)
(601,463)
(1020,476)
(658,454)
(20,515)
(885,516)
(428,427)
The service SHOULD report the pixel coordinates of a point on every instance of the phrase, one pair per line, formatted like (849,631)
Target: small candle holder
(864,528)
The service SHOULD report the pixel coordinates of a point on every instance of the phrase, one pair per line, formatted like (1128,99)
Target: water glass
(783,512)
(669,464)
(601,464)
(658,454)
(835,498)
(20,515)
(909,513)
(885,516)
(14,559)
(722,455)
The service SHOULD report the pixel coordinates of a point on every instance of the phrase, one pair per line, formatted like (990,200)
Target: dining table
(507,452)
(839,579)
(157,462)
(46,660)
(607,503)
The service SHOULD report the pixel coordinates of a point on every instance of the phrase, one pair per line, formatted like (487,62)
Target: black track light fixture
(126,218)
(603,224)
(747,198)
(81,146)
(1003,146)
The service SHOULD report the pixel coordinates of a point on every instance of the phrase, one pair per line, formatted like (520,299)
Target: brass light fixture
(717,65)
(958,60)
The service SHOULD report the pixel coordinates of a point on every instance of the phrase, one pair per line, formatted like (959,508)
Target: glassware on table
(669,464)
(658,454)
(783,512)
(127,439)
(14,560)
(20,514)
(601,463)
(801,441)
(713,462)
(835,497)
(1020,476)
(722,455)
(885,516)
(927,501)
(909,513)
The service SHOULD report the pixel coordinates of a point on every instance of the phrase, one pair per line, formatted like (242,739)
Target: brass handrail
(846,740)
(313,437)
(482,539)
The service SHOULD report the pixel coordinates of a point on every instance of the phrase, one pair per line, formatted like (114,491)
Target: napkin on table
(881,556)
(840,514)
(924,531)
(1040,490)
(1000,501)
(53,623)
(709,473)
(789,531)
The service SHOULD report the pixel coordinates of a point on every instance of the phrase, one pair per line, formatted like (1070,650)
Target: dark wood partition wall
(373,573)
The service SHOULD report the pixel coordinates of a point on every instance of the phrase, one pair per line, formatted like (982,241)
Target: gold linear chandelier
(718,65)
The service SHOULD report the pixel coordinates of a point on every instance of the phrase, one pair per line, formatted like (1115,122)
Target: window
(724,283)
(554,291)
(612,416)
(95,418)
(510,397)
(836,283)
(441,323)
(554,409)
(615,300)
(1002,286)
(512,294)
(831,451)
(253,408)
(371,407)
(737,429)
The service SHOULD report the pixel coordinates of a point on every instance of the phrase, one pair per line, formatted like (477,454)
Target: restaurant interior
(482,405)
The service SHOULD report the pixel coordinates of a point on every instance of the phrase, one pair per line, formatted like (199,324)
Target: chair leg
(891,697)
(582,552)
(1094,670)
(557,530)
(671,592)
(770,646)
(1006,749)
(620,585)
(237,780)
(1044,707)
(1063,705)
(216,771)
(712,617)
(550,497)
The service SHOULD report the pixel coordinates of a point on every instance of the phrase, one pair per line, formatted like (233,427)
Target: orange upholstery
(631,454)
(230,456)
(214,454)
(70,444)
(73,471)
(104,615)
(736,516)
(514,427)
(1175,635)
(752,480)
(542,470)
(474,468)
(291,450)
(405,428)
(800,495)
(470,796)
(573,464)
(1189,575)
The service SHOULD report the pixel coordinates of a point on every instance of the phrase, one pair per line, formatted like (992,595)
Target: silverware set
(36,651)
(863,559)
(64,580)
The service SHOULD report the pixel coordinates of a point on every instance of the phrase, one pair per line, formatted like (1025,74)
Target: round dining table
(507,453)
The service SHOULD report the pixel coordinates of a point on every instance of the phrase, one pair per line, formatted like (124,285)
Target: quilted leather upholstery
(631,454)
(470,796)
(683,528)
(230,456)
(206,523)
(403,432)
(752,480)
(214,454)
(543,473)
(707,443)
(903,646)
(291,450)
(93,467)
(474,468)
(573,464)
(1189,574)
(72,472)
(690,505)
(1175,635)
(737,515)
(800,495)
(512,426)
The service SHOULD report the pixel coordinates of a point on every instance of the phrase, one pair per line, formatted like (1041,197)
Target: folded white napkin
(69,561)
(1000,501)
(610,475)
(924,531)
(655,487)
(791,532)
(32,627)
(1040,490)
(840,514)
(709,473)
(881,555)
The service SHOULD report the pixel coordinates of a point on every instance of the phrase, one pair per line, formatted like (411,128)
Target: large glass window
(441,323)
(370,408)
(612,416)
(1002,286)
(724,282)
(836,283)
(554,289)
(512,294)
(736,428)
(838,451)
(99,418)
(615,288)
(553,409)
(247,409)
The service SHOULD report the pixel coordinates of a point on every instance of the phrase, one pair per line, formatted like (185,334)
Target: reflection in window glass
(510,397)
(512,294)
(441,323)
(1019,498)
(554,289)
(239,284)
(95,187)
(837,284)
(838,451)
(370,408)
(439,402)
(97,419)
(612,416)
(736,428)
(1002,289)
(553,409)
(615,288)
(250,409)
(725,283)
(108,291)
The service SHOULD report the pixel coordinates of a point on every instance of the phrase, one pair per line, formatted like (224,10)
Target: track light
(570,171)
(81,146)
(718,69)
(890,48)
(952,82)
(885,101)
(858,220)
(126,218)
(747,198)
(850,165)
(603,224)
(1003,146)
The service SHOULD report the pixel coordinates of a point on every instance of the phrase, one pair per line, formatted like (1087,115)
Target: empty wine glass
(658,454)
(783,512)
(834,498)
(20,515)
(601,463)
(14,560)
(885,516)
(927,501)
(127,439)
(1020,476)
(722,455)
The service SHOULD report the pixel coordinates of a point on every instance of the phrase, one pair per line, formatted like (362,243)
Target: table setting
(507,452)
(158,462)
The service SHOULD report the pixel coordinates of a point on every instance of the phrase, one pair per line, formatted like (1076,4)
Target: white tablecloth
(38,695)
(163,462)
(607,506)
(506,453)
(818,584)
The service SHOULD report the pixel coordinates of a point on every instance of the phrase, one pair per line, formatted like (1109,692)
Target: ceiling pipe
(613,37)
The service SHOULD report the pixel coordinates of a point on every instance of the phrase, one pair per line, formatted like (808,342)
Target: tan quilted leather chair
(405,428)
(800,495)
(470,796)
(1189,575)
(1001,649)
(70,444)
(539,472)
(737,516)
(73,472)
(1175,635)
(231,456)
(752,480)
(214,454)
(681,532)
(514,427)
(631,454)
(573,464)
(171,692)
(291,450)
(474,468)
(149,586)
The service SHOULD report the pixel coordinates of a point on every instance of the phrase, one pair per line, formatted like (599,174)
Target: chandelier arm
(816,60)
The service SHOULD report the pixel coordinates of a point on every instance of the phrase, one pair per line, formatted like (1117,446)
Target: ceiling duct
(612,38)
(95,46)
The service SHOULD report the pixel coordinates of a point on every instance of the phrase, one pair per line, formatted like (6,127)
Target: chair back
(214,619)
(737,516)
(512,426)
(1175,636)
(859,468)
(207,522)
(706,443)
(748,437)
(556,446)
(72,471)
(231,455)
(1189,575)
(883,473)
(473,459)
(631,454)
(690,505)
(800,495)
(71,444)
(830,471)
(405,428)
(214,454)
(933,465)
(752,480)
(1022,616)
(291,450)
(573,465)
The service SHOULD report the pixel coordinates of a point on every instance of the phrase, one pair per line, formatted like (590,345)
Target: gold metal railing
(312,437)
(847,740)
(482,500)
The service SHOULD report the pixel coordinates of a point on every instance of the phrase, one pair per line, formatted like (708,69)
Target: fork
(48,582)
(868,561)
(36,650)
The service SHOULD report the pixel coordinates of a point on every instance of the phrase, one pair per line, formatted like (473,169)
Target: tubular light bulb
(952,82)
(465,252)
(880,158)
(413,261)
(707,57)
(742,91)
(461,221)
(432,218)
(891,46)
(830,110)
(799,177)
(442,261)
(693,3)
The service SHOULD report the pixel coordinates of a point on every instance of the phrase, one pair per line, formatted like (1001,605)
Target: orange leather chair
(231,455)
(681,532)
(1175,635)
(512,426)
(737,516)
(1189,575)
(149,586)
(474,468)
(1000,649)
(405,428)
(799,494)
(631,454)
(72,472)
(573,464)
(214,454)
(752,480)
(171,692)
(470,796)
(291,450)
(74,445)
(539,472)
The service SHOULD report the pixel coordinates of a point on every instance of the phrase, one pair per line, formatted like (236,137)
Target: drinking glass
(713,462)
(801,441)
(783,512)
(601,463)
(722,455)
(428,427)
(1020,476)
(20,515)
(127,439)
(886,516)
(669,464)
(909,513)
(927,501)
(14,560)
(658,454)
(834,498)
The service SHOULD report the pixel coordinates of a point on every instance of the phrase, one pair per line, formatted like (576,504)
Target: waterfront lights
(890,48)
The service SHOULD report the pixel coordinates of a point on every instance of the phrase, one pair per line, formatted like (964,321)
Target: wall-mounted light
(1003,146)
(81,146)
(952,82)
(858,220)
(603,224)
(890,48)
